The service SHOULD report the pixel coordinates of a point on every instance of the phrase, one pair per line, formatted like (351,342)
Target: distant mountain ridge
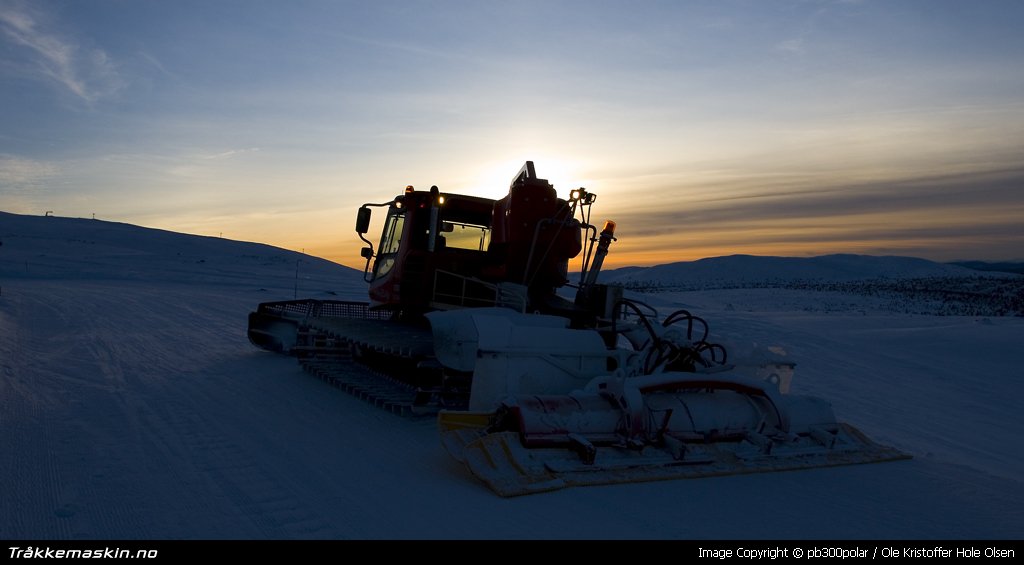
(838,283)
(998,266)
(741,269)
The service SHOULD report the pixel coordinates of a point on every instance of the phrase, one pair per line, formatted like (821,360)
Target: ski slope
(132,406)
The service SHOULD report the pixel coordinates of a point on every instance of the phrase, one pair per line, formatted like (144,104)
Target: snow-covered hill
(740,269)
(834,283)
(132,406)
(33,247)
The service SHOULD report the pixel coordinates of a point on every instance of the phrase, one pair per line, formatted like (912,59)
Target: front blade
(509,469)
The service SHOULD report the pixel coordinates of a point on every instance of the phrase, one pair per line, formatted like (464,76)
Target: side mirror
(363,220)
(366,253)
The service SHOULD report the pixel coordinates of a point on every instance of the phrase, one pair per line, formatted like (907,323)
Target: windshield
(389,242)
(458,235)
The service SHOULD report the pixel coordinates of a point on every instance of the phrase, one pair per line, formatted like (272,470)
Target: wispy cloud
(809,28)
(939,215)
(21,173)
(25,183)
(155,63)
(230,153)
(87,73)
(795,45)
(939,197)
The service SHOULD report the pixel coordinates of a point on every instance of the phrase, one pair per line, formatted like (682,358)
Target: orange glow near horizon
(639,256)
(940,218)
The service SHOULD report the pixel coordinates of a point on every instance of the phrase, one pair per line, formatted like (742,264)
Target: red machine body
(440,250)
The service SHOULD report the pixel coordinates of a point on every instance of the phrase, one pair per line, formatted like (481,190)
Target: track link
(379,361)
(370,386)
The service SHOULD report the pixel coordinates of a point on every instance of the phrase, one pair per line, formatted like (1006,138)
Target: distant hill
(999,267)
(56,247)
(743,269)
(894,284)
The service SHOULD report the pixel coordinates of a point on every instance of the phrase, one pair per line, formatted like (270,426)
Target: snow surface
(132,406)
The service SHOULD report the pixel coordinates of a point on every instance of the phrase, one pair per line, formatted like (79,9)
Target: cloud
(20,173)
(791,45)
(89,74)
(25,183)
(994,191)
(230,153)
(966,214)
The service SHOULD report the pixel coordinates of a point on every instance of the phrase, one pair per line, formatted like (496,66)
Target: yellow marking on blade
(448,421)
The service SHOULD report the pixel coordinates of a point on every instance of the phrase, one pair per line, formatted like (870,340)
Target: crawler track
(387,363)
(373,387)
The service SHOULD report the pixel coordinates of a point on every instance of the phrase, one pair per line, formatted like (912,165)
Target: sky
(706,128)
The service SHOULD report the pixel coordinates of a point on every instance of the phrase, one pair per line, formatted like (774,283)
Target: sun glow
(493,178)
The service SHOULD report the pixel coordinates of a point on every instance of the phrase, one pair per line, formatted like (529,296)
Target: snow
(132,406)
(748,268)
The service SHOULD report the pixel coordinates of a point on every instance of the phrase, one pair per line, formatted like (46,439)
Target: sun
(492,178)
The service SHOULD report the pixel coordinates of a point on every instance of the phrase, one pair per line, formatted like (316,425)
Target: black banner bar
(141,551)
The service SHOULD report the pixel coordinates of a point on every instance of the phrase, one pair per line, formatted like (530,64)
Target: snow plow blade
(509,468)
